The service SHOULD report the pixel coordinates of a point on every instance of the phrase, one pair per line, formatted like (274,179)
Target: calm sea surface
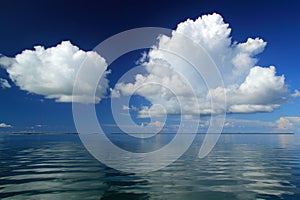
(248,166)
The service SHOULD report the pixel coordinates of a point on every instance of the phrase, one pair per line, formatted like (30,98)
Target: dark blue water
(244,166)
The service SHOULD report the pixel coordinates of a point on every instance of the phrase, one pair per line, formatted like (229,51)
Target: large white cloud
(51,72)
(261,91)
(249,88)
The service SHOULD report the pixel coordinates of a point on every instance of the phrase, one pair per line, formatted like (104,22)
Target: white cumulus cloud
(4,83)
(288,123)
(296,94)
(51,72)
(249,88)
(4,125)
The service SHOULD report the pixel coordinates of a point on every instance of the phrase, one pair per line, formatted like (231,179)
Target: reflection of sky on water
(240,167)
(264,164)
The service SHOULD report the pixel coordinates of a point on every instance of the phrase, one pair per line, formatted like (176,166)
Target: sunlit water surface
(248,166)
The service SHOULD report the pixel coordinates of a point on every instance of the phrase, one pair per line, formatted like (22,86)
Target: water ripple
(60,168)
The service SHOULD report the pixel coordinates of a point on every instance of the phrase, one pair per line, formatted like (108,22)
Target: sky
(253,43)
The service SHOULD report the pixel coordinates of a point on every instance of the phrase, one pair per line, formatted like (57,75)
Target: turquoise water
(248,166)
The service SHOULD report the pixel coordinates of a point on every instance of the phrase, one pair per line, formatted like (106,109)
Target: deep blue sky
(87,23)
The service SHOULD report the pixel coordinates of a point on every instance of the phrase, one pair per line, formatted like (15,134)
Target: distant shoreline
(226,133)
(42,133)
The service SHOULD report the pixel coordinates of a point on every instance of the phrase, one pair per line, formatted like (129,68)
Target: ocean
(241,166)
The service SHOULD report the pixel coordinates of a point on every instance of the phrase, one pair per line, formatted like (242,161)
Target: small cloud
(156,124)
(114,93)
(129,108)
(289,123)
(125,107)
(295,94)
(39,125)
(4,125)
(142,59)
(248,108)
(4,83)
(247,125)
